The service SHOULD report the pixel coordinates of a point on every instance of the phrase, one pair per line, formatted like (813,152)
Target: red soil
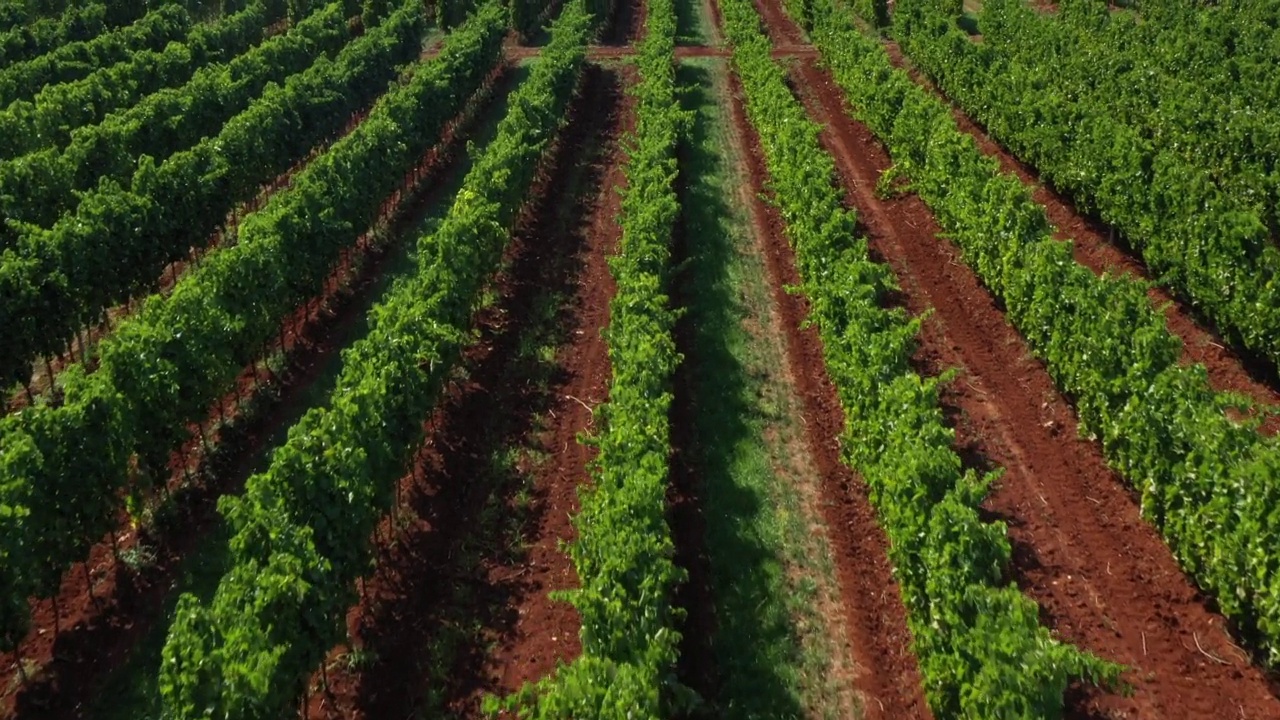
(889,680)
(458,605)
(1102,576)
(584,365)
(696,666)
(627,25)
(103,607)
(1100,247)
(782,31)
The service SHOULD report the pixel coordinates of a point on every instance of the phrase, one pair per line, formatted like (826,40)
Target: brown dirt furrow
(457,606)
(782,30)
(1102,576)
(686,505)
(104,607)
(889,679)
(626,27)
(717,23)
(1101,248)
(584,363)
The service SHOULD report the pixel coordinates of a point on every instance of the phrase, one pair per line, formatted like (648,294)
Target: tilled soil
(458,606)
(686,506)
(889,679)
(1102,576)
(623,52)
(547,631)
(1101,248)
(105,607)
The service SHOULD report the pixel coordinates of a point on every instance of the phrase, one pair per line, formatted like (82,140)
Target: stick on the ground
(1212,657)
(588,407)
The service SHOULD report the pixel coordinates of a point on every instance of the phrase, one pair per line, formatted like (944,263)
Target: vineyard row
(301,532)
(1209,483)
(63,468)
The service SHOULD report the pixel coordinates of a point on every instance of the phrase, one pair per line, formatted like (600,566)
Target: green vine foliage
(624,550)
(1168,127)
(75,60)
(63,468)
(1208,482)
(26,40)
(982,651)
(301,530)
(298,9)
(525,15)
(873,12)
(39,188)
(49,118)
(55,281)
(372,12)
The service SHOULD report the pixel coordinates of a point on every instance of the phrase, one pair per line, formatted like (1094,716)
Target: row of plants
(875,13)
(1163,133)
(75,60)
(106,14)
(15,14)
(297,9)
(529,16)
(1209,481)
(40,187)
(624,552)
(63,468)
(48,118)
(115,245)
(301,531)
(525,16)
(981,649)
(1166,70)
(27,34)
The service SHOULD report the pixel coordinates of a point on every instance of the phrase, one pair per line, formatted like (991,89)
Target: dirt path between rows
(1101,248)
(97,630)
(547,631)
(612,52)
(1102,576)
(458,605)
(686,501)
(46,370)
(888,678)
